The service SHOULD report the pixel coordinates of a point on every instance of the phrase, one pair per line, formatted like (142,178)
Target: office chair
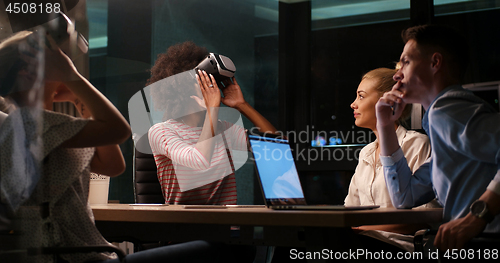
(147,189)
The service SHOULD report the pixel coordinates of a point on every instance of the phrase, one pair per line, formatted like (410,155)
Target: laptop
(278,175)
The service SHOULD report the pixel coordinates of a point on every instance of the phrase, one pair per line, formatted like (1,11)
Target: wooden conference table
(246,225)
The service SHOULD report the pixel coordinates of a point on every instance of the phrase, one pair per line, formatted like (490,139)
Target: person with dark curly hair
(178,58)
(192,146)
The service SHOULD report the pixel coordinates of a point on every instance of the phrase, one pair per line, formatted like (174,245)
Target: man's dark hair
(446,40)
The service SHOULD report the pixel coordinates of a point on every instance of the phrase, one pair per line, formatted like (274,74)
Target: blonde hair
(384,83)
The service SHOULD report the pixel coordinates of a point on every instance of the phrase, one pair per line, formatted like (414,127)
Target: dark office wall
(266,77)
(216,25)
(482,30)
(340,57)
(121,70)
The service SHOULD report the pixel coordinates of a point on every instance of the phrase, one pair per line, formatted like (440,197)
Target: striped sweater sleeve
(165,140)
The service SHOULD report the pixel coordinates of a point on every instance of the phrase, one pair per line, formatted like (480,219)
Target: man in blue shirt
(463,172)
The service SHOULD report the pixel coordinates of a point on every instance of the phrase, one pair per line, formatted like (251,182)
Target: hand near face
(233,97)
(59,67)
(390,107)
(209,89)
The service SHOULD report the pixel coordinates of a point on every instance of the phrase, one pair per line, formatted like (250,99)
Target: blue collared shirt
(465,160)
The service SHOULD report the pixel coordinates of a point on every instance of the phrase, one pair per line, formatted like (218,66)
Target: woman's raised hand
(209,89)
(233,97)
(59,67)
(389,107)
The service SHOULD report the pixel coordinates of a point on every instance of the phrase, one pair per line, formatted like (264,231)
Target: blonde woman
(367,185)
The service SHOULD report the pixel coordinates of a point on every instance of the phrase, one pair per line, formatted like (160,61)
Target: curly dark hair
(178,58)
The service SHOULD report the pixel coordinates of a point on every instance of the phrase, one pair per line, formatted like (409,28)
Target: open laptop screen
(276,170)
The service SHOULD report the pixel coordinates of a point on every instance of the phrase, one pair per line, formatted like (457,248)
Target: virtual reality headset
(221,67)
(63,32)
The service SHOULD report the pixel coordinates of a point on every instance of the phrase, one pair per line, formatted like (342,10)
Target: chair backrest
(147,189)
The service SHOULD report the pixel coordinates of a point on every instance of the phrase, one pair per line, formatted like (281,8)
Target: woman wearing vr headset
(69,147)
(198,142)
(57,213)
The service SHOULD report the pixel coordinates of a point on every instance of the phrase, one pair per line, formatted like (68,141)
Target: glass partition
(349,38)
(97,13)
(448,7)
(36,44)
